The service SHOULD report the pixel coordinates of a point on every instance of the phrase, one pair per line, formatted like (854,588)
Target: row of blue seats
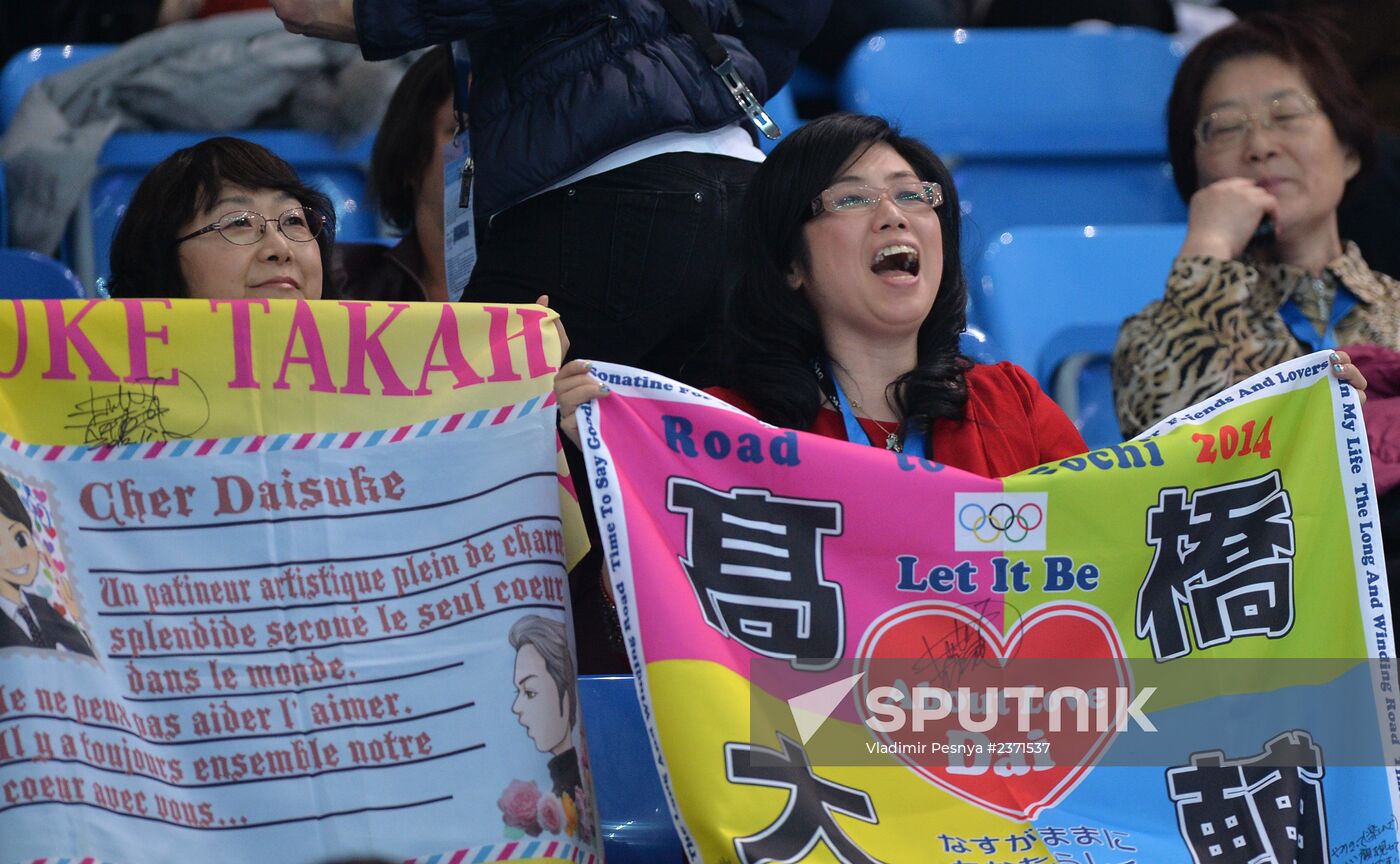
(1042,126)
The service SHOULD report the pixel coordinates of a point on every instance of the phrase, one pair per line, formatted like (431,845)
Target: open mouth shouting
(898,259)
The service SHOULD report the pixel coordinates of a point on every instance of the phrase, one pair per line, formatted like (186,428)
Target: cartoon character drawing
(27,619)
(546,695)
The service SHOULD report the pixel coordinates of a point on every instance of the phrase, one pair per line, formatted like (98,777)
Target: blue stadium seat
(4,210)
(340,172)
(32,64)
(1053,297)
(1018,93)
(636,823)
(26,275)
(1042,127)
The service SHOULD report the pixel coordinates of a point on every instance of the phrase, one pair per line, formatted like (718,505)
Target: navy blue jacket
(559,84)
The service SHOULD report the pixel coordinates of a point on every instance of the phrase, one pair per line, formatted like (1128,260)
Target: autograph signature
(132,415)
(962,650)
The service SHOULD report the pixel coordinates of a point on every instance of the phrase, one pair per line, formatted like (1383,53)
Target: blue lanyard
(855,433)
(1304,330)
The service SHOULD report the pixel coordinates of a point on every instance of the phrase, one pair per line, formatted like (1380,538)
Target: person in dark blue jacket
(609,157)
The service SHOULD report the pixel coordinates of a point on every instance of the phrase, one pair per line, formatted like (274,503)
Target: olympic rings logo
(1013,524)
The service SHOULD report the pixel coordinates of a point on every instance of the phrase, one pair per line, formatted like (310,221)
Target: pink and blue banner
(1174,649)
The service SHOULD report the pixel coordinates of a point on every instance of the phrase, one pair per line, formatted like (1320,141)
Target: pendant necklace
(891,435)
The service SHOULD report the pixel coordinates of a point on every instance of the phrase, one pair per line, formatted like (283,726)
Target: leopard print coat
(1219,323)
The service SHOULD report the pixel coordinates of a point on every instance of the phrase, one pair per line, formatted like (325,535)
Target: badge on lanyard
(458,228)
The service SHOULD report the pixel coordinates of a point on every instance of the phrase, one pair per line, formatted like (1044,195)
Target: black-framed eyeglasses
(1289,111)
(913,195)
(246,227)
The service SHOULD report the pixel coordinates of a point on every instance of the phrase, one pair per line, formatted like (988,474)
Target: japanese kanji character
(807,818)
(1227,555)
(754,560)
(1252,811)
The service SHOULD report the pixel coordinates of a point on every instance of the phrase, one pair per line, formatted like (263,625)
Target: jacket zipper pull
(464,200)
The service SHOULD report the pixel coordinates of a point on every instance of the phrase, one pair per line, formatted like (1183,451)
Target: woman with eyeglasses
(223,219)
(1266,132)
(846,319)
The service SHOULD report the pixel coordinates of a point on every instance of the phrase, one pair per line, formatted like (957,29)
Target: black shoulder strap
(695,27)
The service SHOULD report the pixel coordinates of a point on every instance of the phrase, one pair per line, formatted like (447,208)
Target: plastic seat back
(1018,93)
(636,823)
(26,275)
(29,66)
(1049,294)
(995,196)
(4,210)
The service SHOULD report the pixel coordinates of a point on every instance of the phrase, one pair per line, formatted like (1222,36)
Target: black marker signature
(963,649)
(131,415)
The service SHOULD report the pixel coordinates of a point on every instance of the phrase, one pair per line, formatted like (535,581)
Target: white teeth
(899,249)
(19,572)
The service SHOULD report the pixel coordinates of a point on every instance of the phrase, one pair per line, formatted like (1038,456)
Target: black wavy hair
(145,261)
(774,336)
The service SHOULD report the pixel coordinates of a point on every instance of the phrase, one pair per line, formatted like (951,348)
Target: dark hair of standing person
(404,146)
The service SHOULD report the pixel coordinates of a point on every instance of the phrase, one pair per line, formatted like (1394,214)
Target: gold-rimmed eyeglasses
(1290,111)
(246,227)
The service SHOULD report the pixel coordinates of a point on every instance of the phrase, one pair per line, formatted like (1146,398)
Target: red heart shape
(1062,644)
(49,529)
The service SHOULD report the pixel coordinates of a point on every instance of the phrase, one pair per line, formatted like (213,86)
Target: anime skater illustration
(546,695)
(27,619)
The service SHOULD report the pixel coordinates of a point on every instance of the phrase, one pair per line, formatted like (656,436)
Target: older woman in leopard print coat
(1266,130)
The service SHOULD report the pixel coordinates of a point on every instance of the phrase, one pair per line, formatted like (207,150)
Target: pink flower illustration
(520,806)
(551,814)
(585,815)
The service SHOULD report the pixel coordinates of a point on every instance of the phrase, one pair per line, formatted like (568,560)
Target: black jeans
(635,260)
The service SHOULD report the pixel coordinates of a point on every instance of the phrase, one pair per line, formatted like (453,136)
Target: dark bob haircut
(404,146)
(144,259)
(774,332)
(11,507)
(1301,42)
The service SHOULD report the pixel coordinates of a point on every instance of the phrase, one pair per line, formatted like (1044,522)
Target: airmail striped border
(248,444)
(557,850)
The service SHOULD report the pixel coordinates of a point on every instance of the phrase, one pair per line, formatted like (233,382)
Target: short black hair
(144,259)
(404,146)
(11,507)
(1301,41)
(774,332)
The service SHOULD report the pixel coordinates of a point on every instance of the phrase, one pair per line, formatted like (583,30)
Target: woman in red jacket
(847,316)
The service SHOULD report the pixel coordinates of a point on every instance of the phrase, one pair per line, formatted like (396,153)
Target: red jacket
(1011,425)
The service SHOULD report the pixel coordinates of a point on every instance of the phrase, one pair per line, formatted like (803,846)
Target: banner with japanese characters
(285,581)
(1173,649)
